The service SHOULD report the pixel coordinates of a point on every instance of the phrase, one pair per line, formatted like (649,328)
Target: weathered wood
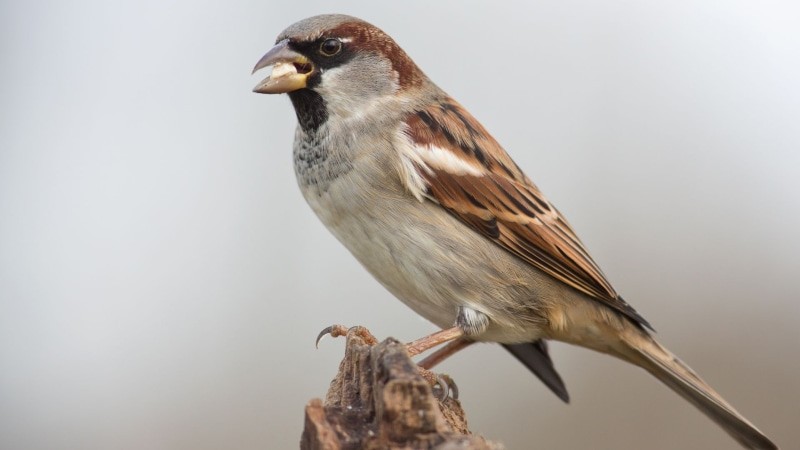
(379,400)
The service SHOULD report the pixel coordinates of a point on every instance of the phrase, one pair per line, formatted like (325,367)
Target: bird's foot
(341,330)
(442,385)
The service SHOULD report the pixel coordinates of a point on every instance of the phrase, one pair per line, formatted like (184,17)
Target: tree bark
(380,400)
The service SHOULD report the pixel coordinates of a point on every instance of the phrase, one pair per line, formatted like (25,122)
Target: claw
(451,385)
(444,387)
(333,330)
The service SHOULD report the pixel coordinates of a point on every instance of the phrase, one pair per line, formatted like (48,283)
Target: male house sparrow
(435,209)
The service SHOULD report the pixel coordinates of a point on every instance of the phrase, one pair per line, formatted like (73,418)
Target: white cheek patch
(330,75)
(358,88)
(339,96)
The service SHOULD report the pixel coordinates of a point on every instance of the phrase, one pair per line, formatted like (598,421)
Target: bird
(435,209)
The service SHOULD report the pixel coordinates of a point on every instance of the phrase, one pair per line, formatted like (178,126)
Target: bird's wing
(462,168)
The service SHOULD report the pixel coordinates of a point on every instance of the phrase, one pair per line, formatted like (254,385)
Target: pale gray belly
(433,262)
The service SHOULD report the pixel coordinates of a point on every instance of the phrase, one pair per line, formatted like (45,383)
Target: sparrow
(433,207)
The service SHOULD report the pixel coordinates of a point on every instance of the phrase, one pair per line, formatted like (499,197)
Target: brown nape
(370,38)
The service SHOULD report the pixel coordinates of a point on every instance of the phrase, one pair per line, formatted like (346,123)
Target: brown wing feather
(500,202)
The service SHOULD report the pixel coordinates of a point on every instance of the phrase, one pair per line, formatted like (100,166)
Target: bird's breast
(420,253)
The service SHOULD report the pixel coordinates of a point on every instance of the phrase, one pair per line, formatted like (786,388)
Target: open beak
(290,70)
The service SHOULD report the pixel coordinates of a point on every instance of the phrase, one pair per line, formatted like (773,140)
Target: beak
(290,70)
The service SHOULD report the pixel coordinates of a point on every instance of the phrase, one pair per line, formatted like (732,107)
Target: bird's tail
(641,349)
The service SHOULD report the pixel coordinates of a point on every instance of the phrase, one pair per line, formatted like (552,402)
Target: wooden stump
(379,400)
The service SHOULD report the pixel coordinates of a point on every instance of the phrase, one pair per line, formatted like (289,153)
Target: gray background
(162,280)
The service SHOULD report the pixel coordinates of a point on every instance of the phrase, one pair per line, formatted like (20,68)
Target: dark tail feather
(536,358)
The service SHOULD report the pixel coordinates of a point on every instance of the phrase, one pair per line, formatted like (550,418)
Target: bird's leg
(432,340)
(445,352)
(469,322)
(442,384)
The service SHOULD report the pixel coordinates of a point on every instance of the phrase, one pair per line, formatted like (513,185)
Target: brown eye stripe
(371,39)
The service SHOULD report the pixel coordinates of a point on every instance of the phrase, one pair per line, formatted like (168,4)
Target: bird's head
(336,64)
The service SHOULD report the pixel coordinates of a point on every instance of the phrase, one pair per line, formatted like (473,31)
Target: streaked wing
(467,172)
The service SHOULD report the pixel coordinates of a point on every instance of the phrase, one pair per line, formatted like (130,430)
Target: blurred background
(162,280)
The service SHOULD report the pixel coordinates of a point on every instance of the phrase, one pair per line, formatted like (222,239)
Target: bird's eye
(330,47)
